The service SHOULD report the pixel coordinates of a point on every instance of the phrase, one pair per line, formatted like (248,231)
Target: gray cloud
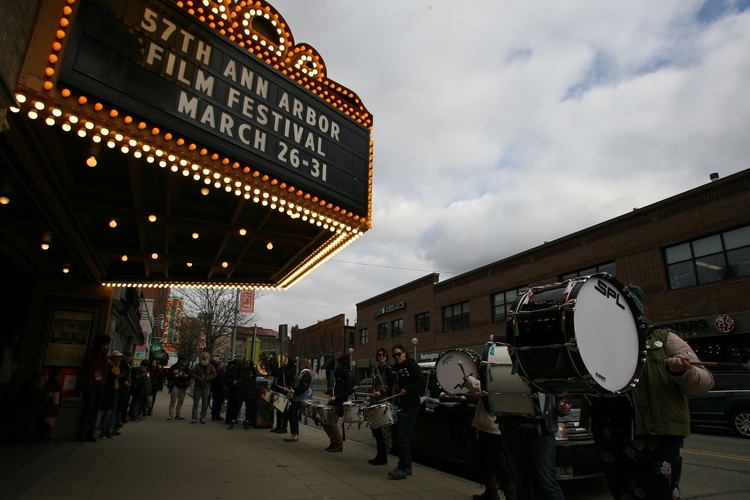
(504,125)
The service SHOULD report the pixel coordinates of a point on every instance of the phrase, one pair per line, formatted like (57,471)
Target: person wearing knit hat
(343,387)
(647,463)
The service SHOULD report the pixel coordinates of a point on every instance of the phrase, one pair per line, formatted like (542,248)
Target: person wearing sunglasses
(383,381)
(410,386)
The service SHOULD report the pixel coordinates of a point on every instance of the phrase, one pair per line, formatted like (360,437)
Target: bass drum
(450,369)
(581,336)
(504,391)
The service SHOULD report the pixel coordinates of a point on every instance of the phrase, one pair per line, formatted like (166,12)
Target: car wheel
(741,423)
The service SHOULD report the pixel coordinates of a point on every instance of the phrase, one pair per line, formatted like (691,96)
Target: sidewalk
(157,458)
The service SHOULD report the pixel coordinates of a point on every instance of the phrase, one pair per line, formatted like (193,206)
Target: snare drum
(279,401)
(265,394)
(504,391)
(448,372)
(324,414)
(381,415)
(353,412)
(581,336)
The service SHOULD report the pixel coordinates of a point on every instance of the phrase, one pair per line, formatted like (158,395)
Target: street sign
(156,347)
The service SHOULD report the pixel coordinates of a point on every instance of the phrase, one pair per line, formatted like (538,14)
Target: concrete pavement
(157,458)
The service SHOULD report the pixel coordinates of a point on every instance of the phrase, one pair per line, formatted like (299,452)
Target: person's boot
(231,426)
(509,491)
(490,491)
(380,459)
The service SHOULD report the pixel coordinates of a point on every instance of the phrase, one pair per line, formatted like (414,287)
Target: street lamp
(414,342)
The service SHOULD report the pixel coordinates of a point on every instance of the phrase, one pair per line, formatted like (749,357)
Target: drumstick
(389,397)
(714,364)
(461,365)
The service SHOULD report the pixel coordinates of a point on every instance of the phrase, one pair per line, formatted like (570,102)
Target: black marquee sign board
(151,59)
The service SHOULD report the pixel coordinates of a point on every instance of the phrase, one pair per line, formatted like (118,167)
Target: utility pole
(236,313)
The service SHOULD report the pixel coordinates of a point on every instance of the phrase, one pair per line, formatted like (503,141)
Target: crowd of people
(114,391)
(638,435)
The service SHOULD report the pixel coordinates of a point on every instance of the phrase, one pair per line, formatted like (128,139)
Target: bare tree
(214,311)
(189,337)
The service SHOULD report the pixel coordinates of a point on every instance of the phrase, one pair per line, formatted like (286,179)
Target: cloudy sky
(508,124)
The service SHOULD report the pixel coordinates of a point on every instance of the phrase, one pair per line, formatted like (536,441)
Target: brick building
(324,341)
(690,253)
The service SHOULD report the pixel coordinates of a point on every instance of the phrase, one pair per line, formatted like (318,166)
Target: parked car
(726,405)
(443,433)
(365,385)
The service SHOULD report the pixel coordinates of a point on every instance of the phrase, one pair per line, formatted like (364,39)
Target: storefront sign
(387,309)
(152,59)
(429,356)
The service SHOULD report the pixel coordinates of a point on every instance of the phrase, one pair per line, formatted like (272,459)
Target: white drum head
(606,333)
(449,374)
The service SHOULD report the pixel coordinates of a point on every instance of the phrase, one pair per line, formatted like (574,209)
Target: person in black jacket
(178,380)
(156,374)
(242,389)
(383,382)
(410,386)
(217,391)
(343,387)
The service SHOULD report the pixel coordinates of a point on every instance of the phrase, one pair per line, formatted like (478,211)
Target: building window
(302,349)
(502,301)
(422,322)
(322,344)
(456,317)
(609,267)
(382,331)
(312,346)
(333,347)
(363,336)
(714,258)
(397,328)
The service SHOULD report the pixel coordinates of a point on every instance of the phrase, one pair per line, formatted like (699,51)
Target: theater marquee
(194,143)
(151,58)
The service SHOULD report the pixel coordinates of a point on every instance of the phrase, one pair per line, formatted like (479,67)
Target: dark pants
(217,402)
(294,417)
(649,465)
(492,461)
(153,400)
(92,396)
(380,442)
(406,423)
(532,462)
(281,419)
(251,406)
